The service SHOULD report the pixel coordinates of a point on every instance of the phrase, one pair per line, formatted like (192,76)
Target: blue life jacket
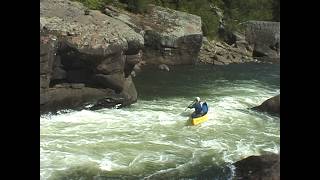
(197,107)
(205,108)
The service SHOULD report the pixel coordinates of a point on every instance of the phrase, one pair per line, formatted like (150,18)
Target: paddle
(190,105)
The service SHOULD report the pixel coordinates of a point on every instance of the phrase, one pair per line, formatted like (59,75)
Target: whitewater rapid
(151,137)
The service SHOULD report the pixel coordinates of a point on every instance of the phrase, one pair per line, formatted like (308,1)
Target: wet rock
(265,167)
(71,98)
(129,92)
(271,105)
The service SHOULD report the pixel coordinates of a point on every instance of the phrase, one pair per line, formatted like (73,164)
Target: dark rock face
(264,37)
(48,45)
(83,57)
(265,167)
(271,105)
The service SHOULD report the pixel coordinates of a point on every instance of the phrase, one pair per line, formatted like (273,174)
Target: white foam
(214,144)
(106,165)
(155,131)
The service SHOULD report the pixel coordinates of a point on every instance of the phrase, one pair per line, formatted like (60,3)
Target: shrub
(137,6)
(235,11)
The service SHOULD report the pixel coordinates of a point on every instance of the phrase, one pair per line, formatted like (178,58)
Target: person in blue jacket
(199,108)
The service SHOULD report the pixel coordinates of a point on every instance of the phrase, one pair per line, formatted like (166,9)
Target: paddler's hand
(190,106)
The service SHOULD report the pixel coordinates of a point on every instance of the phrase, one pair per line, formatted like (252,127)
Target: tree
(276,10)
(137,6)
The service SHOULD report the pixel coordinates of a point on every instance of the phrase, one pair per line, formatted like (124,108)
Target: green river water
(151,140)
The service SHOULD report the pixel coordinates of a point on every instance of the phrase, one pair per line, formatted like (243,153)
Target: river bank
(90,57)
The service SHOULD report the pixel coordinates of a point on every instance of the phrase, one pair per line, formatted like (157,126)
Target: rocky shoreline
(87,56)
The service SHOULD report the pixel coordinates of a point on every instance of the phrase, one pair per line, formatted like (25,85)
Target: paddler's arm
(191,105)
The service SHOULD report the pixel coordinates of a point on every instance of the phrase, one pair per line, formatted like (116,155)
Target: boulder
(134,59)
(59,74)
(110,66)
(220,53)
(129,92)
(260,40)
(264,167)
(171,37)
(86,49)
(271,105)
(264,37)
(127,96)
(113,81)
(79,76)
(71,98)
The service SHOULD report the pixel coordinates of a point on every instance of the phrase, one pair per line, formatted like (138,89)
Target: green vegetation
(99,4)
(210,20)
(276,10)
(234,11)
(93,4)
(138,6)
(243,10)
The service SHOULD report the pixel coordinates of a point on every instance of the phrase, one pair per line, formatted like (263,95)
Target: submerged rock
(271,105)
(264,167)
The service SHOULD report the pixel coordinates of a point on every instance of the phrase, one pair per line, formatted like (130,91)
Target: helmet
(197,99)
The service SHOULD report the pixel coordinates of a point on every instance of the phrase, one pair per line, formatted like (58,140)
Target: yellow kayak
(198,120)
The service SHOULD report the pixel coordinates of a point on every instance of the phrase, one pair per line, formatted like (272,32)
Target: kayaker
(197,106)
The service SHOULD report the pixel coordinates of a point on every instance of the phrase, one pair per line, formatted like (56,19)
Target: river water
(151,139)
